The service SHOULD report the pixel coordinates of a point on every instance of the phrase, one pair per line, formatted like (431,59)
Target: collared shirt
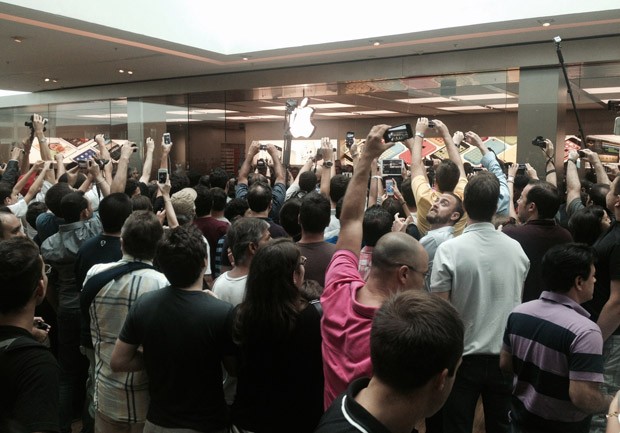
(430,242)
(489,161)
(123,397)
(484,270)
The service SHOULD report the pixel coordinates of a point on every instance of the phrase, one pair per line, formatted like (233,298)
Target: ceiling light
(17,39)
(122,71)
(104,116)
(246,59)
(545,22)
(600,90)
(375,112)
(130,72)
(503,106)
(11,93)
(337,114)
(484,96)
(251,117)
(424,100)
(54,80)
(376,42)
(463,108)
(47,80)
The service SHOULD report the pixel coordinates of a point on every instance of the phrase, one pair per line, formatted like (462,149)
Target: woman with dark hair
(280,370)
(588,224)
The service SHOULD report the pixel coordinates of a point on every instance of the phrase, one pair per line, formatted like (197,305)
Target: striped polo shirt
(552,341)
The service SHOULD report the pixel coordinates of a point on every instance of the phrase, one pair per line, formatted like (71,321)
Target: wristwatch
(328,164)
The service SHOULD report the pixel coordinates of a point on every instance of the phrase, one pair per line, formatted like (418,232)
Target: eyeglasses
(303,260)
(48,268)
(424,274)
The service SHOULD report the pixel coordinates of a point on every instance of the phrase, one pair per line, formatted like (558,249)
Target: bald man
(349,303)
(10,225)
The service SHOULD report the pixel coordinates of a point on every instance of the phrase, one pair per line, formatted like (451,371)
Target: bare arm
(95,175)
(599,168)
(120,180)
(609,319)
(278,168)
(38,182)
(21,183)
(505,362)
(376,184)
(613,423)
(453,151)
(417,167)
(587,396)
(104,153)
(573,184)
(171,216)
(38,125)
(244,171)
(25,156)
(126,357)
(148,161)
(512,172)
(550,174)
(352,215)
(326,172)
(60,166)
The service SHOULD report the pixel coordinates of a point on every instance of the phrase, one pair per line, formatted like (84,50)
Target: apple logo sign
(300,122)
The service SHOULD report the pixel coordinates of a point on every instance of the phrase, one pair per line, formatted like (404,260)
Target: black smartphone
(162,175)
(262,147)
(167,139)
(349,139)
(82,164)
(42,325)
(398,133)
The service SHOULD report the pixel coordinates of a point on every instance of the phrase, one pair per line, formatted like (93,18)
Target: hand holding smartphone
(162,175)
(398,133)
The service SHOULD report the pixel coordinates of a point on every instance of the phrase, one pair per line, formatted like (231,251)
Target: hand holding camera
(375,145)
(36,123)
(422,125)
(150,145)
(326,149)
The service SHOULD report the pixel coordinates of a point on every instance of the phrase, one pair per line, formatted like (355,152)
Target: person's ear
(455,216)
(440,379)
(41,290)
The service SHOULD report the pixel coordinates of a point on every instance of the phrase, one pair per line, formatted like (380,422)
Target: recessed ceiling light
(601,90)
(376,42)
(484,96)
(17,39)
(130,72)
(424,100)
(503,106)
(463,108)
(545,22)
(122,71)
(246,59)
(54,80)
(47,80)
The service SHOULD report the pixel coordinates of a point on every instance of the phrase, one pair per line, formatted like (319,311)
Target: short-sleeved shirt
(319,254)
(425,197)
(278,195)
(551,341)
(345,327)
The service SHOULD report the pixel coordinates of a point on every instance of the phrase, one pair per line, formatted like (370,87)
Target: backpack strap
(317,304)
(18,343)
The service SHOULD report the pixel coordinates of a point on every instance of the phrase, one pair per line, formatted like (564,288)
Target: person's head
(407,192)
(314,213)
(311,290)
(416,341)
(114,210)
(393,206)
(218,178)
(289,217)
(75,207)
(54,195)
(446,211)
(10,225)
(447,175)
(219,199)
(183,202)
(7,196)
(597,194)
(78,180)
(245,236)
(399,261)
(132,187)
(141,202)
(22,275)
(259,197)
(337,187)
(539,200)
(140,234)
(204,181)
(35,208)
(588,223)
(612,199)
(203,201)
(235,208)
(481,195)
(307,181)
(570,266)
(178,182)
(182,256)
(272,291)
(377,222)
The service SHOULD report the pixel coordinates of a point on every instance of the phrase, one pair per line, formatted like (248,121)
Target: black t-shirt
(280,385)
(607,269)
(29,380)
(350,417)
(185,335)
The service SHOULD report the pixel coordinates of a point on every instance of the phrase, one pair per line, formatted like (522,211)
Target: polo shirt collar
(559,298)
(479,227)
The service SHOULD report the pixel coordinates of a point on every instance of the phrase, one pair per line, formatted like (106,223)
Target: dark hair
(236,207)
(315,212)
(242,233)
(35,208)
(140,234)
(407,192)
(339,204)
(79,179)
(259,196)
(311,290)
(203,200)
(204,181)
(54,195)
(269,310)
(307,181)
(481,195)
(585,224)
(337,187)
(392,205)
(565,262)
(377,222)
(447,175)
(6,191)
(72,206)
(141,202)
(415,336)
(130,186)
(458,206)
(219,199)
(289,217)
(218,178)
(178,182)
(545,196)
(20,271)
(114,210)
(181,255)
(598,194)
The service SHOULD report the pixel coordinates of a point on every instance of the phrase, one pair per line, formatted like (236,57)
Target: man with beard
(442,216)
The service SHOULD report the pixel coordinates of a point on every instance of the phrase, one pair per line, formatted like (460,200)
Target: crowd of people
(320,302)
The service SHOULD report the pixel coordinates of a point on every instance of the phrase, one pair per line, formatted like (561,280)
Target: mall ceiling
(71,54)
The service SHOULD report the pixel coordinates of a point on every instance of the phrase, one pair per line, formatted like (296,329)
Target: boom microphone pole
(558,50)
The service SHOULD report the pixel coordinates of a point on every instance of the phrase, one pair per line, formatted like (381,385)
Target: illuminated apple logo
(300,122)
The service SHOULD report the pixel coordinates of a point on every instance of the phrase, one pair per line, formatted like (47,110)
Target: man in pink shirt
(349,303)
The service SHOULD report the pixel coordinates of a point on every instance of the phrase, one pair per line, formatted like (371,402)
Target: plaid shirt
(124,397)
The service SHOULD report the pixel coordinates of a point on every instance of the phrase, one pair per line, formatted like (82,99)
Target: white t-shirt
(230,289)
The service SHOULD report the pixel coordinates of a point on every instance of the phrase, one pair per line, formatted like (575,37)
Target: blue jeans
(479,375)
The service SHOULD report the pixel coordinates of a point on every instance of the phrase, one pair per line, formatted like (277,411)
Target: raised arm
(573,184)
(95,175)
(599,168)
(171,216)
(38,182)
(550,173)
(489,161)
(104,154)
(415,145)
(453,151)
(148,161)
(376,183)
(352,215)
(327,172)
(120,180)
(278,168)
(246,166)
(294,187)
(21,183)
(25,156)
(512,172)
(165,153)
(39,126)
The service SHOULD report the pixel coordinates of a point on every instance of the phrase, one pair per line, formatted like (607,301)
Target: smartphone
(398,133)
(389,186)
(82,164)
(167,139)
(350,139)
(42,325)
(262,147)
(162,175)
